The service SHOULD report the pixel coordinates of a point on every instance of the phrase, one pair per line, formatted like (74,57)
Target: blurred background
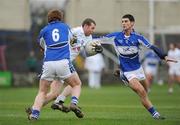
(21,21)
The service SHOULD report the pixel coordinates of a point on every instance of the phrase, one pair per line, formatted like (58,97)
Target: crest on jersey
(127,50)
(120,41)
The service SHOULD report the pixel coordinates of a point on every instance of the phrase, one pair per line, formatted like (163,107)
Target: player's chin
(125,29)
(90,33)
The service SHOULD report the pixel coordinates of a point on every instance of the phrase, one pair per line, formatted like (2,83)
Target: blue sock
(35,114)
(152,110)
(74,100)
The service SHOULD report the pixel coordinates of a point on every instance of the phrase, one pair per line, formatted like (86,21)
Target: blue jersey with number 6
(54,38)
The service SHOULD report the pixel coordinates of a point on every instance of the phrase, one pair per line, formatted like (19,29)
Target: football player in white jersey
(174,68)
(83,36)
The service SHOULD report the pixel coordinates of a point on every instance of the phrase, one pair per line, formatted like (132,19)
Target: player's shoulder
(58,24)
(65,25)
(77,29)
(45,28)
(114,34)
(139,35)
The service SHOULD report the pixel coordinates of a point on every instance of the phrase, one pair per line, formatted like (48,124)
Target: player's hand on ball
(93,47)
(97,47)
(73,41)
(95,43)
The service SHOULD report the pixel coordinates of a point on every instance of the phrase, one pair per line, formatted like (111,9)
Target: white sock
(60,98)
(156,115)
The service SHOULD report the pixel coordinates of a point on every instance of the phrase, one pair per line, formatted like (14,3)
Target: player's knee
(73,81)
(76,83)
(42,93)
(55,95)
(142,93)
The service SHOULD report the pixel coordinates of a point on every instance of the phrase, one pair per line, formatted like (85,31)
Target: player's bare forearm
(168,59)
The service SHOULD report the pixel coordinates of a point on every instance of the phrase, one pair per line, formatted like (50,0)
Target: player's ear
(132,24)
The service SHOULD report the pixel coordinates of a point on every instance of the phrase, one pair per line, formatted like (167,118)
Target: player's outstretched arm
(162,55)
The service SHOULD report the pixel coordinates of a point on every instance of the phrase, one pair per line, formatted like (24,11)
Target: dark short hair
(88,22)
(54,15)
(129,16)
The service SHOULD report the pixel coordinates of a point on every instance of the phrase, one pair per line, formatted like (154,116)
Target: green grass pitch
(110,105)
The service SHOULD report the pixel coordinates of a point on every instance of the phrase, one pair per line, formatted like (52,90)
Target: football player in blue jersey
(55,38)
(83,36)
(127,45)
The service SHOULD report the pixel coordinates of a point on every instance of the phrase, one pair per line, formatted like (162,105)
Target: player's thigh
(55,86)
(138,74)
(135,85)
(172,71)
(48,71)
(44,86)
(145,84)
(73,80)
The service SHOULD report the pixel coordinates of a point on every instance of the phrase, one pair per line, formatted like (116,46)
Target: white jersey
(174,68)
(176,55)
(81,41)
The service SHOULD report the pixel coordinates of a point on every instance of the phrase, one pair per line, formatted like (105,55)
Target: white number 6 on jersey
(55,35)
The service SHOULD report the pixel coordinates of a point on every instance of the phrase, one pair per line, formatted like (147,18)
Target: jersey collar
(56,21)
(132,33)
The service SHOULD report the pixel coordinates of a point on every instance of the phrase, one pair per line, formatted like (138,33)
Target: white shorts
(150,70)
(174,71)
(53,70)
(139,74)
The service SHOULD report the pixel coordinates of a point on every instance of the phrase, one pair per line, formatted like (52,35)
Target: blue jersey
(55,40)
(127,48)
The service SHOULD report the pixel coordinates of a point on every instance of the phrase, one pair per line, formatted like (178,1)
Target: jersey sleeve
(41,40)
(107,39)
(143,41)
(75,31)
(70,34)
